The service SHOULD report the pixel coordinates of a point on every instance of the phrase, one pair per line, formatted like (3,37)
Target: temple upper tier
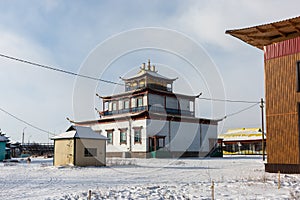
(151,92)
(148,77)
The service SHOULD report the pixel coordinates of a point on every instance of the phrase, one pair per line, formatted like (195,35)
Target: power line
(238,112)
(99,79)
(228,100)
(57,69)
(25,122)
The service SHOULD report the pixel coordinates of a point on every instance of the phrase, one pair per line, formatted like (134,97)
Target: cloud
(36,95)
(208,20)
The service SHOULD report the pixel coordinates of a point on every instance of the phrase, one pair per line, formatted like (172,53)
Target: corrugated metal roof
(266,34)
(242,134)
(80,132)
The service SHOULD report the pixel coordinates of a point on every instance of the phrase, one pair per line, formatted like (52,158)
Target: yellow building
(242,141)
(79,146)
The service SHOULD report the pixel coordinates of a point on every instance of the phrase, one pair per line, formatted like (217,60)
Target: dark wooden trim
(53,162)
(283,168)
(74,153)
(137,127)
(121,129)
(298,75)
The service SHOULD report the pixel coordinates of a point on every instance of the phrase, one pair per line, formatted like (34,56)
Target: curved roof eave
(266,34)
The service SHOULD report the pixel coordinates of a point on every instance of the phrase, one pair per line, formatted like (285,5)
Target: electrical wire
(25,122)
(99,79)
(238,112)
(228,100)
(57,69)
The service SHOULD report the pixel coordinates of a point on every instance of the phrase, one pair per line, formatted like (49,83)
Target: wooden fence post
(90,195)
(212,190)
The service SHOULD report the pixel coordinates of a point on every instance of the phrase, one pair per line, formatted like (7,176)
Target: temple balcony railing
(156,109)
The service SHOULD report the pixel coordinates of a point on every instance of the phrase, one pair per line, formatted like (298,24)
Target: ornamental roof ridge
(149,70)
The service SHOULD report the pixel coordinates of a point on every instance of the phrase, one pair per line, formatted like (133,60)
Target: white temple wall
(180,136)
(116,146)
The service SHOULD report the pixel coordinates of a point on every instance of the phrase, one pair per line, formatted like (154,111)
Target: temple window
(137,134)
(114,105)
(139,101)
(110,106)
(127,87)
(134,85)
(141,83)
(133,102)
(105,105)
(191,106)
(145,100)
(126,104)
(169,87)
(123,136)
(121,104)
(110,136)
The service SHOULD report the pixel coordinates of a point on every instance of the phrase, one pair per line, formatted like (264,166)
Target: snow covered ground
(234,178)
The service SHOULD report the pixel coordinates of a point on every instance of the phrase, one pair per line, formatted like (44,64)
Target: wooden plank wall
(282,110)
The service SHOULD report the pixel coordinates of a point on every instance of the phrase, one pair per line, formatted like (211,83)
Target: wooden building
(79,146)
(280,42)
(150,120)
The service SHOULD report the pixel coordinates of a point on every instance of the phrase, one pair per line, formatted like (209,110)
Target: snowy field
(234,178)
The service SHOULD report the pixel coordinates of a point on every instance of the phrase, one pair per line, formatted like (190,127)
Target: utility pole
(262,127)
(23,135)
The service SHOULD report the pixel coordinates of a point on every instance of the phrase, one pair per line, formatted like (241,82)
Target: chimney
(153,68)
(149,64)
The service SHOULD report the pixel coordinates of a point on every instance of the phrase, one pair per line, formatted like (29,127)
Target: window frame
(123,131)
(135,131)
(114,106)
(133,102)
(298,75)
(121,104)
(90,152)
(108,132)
(126,104)
(139,102)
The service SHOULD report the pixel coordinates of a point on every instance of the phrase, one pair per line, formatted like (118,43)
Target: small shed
(79,146)
(3,141)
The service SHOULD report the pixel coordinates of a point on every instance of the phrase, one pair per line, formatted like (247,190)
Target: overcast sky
(63,33)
